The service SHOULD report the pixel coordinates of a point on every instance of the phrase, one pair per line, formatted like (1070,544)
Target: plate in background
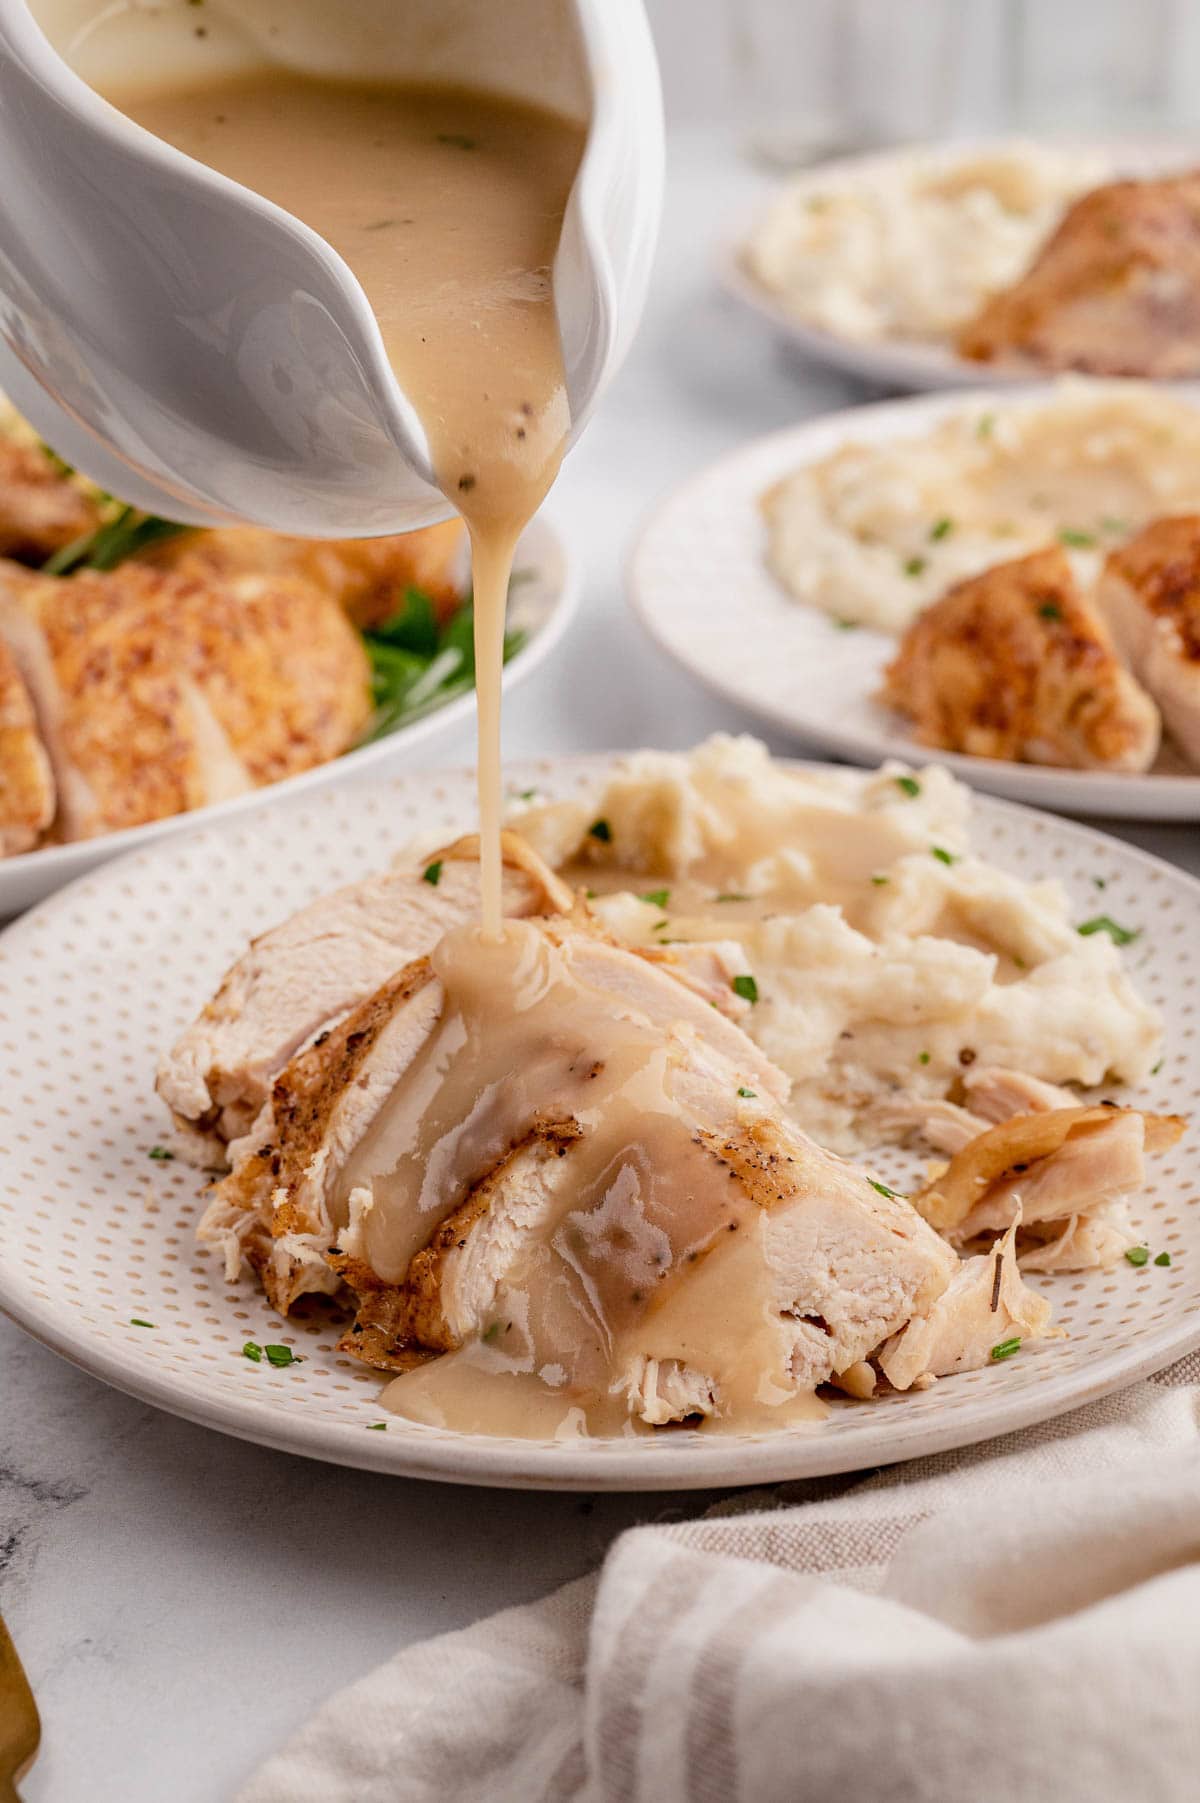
(541,605)
(915,365)
(701,587)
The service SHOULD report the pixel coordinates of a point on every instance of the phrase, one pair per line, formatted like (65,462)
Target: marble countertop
(181,1600)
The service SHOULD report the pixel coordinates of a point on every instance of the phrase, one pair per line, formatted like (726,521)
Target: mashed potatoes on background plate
(876,953)
(908,246)
(872,533)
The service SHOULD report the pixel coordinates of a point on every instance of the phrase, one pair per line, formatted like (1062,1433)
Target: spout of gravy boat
(199,351)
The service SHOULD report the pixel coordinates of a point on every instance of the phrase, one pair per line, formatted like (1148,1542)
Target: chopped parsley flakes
(162,1153)
(879,881)
(942,855)
(657,898)
(1138,1255)
(914,566)
(1050,610)
(893,1195)
(746,987)
(136,1321)
(923,1058)
(600,829)
(749,1094)
(909,785)
(281,1357)
(1164,1258)
(940,529)
(731,895)
(1078,541)
(1006,1349)
(844,625)
(377,1427)
(1103,924)
(252,1351)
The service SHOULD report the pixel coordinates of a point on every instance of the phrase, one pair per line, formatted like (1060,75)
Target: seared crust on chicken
(1115,291)
(1149,594)
(156,693)
(41,509)
(365,576)
(1016,663)
(26,780)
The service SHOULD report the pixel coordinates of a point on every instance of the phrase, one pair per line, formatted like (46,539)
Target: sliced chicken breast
(155,694)
(1016,663)
(26,780)
(683,1274)
(1149,593)
(1115,291)
(301,977)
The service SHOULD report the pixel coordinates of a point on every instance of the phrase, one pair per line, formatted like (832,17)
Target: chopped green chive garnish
(162,1153)
(522,795)
(1156,1068)
(377,1427)
(923,1058)
(746,987)
(909,785)
(942,855)
(1006,1349)
(1050,610)
(281,1357)
(491,1332)
(882,1188)
(136,1321)
(1111,525)
(1138,1255)
(600,829)
(433,872)
(844,625)
(941,529)
(913,566)
(1079,541)
(252,1351)
(1100,882)
(879,881)
(731,895)
(1102,924)
(658,898)
(1164,1258)
(749,1094)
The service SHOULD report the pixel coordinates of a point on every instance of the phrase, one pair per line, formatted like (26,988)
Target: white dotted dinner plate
(97,1258)
(699,582)
(907,364)
(541,606)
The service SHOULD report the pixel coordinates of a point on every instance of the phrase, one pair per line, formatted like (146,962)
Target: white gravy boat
(195,348)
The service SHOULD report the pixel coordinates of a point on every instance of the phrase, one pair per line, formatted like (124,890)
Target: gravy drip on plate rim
(448,207)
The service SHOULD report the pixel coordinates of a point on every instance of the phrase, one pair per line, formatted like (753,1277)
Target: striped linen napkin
(1013,1623)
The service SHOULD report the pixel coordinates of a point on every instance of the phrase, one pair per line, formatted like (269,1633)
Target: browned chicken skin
(1115,291)
(156,693)
(26,783)
(366,576)
(1149,595)
(41,510)
(1016,663)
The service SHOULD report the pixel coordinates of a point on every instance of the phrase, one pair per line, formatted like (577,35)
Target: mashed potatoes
(911,248)
(874,533)
(876,955)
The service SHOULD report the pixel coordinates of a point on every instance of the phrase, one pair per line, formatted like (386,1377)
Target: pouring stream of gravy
(448,207)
